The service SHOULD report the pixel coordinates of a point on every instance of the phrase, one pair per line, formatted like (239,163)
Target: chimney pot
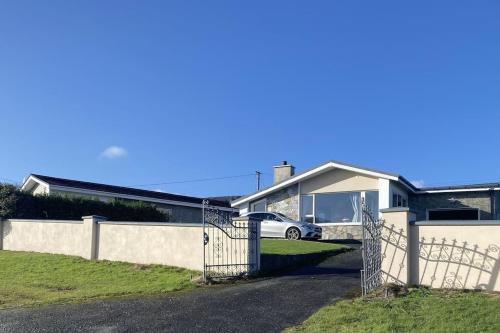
(283,172)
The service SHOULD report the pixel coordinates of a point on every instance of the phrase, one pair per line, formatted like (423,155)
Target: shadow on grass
(289,264)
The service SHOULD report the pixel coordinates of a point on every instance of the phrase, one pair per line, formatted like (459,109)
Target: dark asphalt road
(268,305)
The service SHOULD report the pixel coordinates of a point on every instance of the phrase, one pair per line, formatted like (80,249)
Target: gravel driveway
(266,305)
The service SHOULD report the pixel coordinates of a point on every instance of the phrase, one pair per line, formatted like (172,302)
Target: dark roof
(460,187)
(126,190)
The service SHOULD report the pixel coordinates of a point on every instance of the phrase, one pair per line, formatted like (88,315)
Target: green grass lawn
(420,311)
(29,279)
(289,247)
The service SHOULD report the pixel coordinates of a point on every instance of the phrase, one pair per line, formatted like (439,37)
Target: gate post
(254,245)
(91,229)
(396,245)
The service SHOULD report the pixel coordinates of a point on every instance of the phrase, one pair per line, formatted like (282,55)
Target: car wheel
(293,234)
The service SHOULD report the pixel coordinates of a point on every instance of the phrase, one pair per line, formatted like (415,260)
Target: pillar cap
(97,217)
(395,210)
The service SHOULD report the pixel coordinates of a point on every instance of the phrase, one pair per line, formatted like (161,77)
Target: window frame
(313,206)
(362,199)
(399,200)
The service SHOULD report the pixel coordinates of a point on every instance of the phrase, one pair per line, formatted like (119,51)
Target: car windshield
(283,216)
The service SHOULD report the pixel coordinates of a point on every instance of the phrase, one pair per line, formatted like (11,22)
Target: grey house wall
(285,201)
(484,200)
(342,232)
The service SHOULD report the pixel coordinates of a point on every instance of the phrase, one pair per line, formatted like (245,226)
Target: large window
(341,207)
(338,207)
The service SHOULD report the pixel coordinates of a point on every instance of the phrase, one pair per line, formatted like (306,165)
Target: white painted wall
(40,189)
(384,193)
(444,254)
(338,181)
(152,244)
(47,236)
(173,244)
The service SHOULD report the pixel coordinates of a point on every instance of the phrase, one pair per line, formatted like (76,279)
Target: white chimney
(283,172)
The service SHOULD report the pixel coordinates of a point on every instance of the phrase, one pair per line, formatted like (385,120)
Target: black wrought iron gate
(230,246)
(371,274)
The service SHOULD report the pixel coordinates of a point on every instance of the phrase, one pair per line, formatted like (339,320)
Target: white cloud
(114,152)
(418,183)
(159,190)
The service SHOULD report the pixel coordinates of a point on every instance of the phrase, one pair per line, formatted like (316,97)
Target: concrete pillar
(91,229)
(396,236)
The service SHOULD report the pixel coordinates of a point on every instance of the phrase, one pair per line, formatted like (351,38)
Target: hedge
(17,204)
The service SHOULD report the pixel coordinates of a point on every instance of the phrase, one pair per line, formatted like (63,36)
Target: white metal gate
(371,274)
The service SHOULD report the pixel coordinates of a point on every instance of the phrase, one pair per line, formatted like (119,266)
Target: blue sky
(189,90)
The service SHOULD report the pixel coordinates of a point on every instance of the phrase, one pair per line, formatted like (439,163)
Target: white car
(277,225)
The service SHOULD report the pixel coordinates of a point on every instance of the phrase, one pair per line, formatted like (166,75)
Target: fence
(173,244)
(440,254)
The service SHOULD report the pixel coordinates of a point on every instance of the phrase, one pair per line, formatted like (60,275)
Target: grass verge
(280,256)
(422,310)
(290,247)
(31,279)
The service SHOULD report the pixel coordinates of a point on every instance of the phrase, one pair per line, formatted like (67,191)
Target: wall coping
(162,224)
(396,210)
(97,217)
(456,222)
(45,221)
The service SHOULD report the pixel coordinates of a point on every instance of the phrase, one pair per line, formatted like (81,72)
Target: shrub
(9,195)
(17,204)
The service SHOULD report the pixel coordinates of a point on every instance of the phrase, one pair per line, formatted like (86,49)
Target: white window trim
(258,202)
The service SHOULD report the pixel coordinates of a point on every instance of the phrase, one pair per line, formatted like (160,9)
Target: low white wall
(456,255)
(440,254)
(173,244)
(48,236)
(152,243)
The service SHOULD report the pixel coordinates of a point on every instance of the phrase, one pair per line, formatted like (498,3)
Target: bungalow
(180,208)
(331,194)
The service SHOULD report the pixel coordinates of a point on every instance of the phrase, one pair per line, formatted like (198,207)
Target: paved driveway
(268,305)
